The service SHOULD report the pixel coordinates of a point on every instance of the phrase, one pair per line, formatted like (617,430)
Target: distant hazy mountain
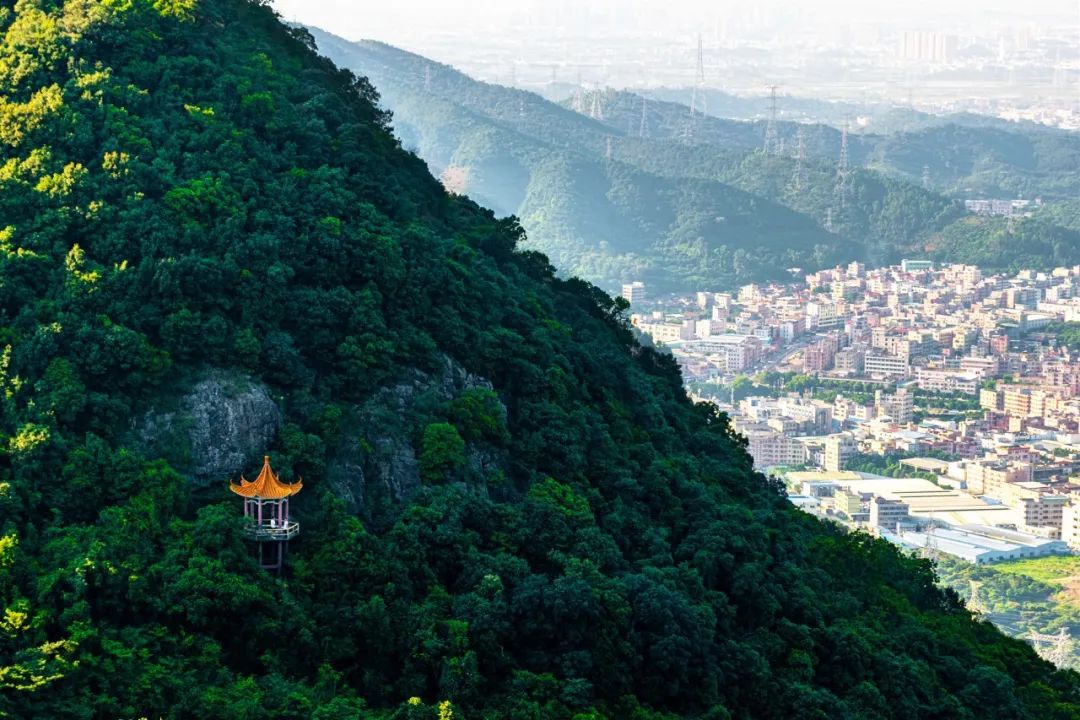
(637,191)
(963,154)
(558,170)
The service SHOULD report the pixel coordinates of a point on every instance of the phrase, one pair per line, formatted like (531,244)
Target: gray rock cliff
(215,430)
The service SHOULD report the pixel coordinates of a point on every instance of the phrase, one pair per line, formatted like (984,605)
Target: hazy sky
(400,19)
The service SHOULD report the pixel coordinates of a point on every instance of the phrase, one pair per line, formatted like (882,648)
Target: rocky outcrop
(376,462)
(214,430)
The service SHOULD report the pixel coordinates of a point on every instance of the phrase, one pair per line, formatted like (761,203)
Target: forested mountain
(963,155)
(879,118)
(565,176)
(637,190)
(510,509)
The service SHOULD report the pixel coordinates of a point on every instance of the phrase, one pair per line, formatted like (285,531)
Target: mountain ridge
(883,218)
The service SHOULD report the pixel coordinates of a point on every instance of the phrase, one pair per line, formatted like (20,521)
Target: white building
(880,364)
(838,448)
(634,292)
(737,351)
(948,380)
(982,544)
(886,514)
(769,448)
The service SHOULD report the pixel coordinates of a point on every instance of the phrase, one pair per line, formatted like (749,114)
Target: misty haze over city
(998,58)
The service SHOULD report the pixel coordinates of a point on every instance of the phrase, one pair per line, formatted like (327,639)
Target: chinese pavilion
(266,507)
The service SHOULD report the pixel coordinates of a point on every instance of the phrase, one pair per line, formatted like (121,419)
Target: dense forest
(190,192)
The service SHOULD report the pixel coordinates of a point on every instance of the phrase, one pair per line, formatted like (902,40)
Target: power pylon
(772,144)
(926,177)
(427,78)
(930,550)
(800,154)
(643,126)
(698,104)
(607,150)
(1056,649)
(974,603)
(596,108)
(843,172)
(690,129)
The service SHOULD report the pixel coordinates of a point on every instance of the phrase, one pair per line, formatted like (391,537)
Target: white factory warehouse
(981,544)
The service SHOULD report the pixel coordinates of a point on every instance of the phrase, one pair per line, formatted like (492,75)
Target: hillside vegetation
(642,191)
(584,200)
(187,185)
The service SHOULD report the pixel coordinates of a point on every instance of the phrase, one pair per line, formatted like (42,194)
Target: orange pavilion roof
(266,486)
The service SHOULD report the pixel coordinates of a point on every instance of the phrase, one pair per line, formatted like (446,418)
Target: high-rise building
(887,514)
(900,406)
(634,292)
(838,448)
(927,46)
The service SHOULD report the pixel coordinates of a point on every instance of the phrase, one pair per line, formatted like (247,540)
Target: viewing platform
(276,532)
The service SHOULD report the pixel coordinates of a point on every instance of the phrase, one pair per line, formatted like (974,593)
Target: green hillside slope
(510,509)
(566,176)
(563,173)
(963,155)
(885,211)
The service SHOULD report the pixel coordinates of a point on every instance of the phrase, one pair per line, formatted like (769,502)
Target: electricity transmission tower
(427,78)
(800,154)
(930,550)
(698,104)
(926,177)
(772,142)
(1053,648)
(578,103)
(843,172)
(643,126)
(596,108)
(974,603)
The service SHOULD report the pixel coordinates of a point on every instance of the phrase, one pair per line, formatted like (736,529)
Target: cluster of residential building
(921,337)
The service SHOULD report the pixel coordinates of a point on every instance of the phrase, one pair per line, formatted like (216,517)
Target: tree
(442,452)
